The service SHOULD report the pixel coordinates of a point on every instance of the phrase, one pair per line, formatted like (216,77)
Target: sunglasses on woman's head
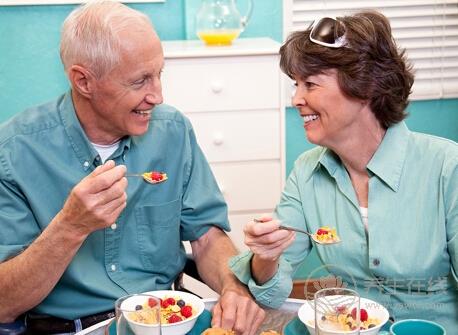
(328,32)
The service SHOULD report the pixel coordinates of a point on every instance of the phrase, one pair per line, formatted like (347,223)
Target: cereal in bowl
(343,319)
(145,313)
(175,309)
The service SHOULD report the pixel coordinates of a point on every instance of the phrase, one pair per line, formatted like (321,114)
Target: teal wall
(31,72)
(30,68)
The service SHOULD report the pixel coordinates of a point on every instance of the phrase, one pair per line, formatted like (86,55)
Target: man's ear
(82,80)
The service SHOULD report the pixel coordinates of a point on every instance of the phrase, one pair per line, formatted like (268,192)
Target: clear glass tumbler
(336,310)
(138,314)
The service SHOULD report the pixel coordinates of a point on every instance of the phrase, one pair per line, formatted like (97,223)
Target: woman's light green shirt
(408,258)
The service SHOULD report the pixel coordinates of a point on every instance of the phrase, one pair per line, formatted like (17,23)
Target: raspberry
(341,309)
(174,318)
(321,231)
(362,313)
(164,303)
(170,301)
(152,302)
(186,311)
(156,175)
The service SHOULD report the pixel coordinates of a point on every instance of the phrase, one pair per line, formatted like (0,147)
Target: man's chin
(138,131)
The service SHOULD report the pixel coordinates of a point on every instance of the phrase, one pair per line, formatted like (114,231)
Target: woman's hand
(266,240)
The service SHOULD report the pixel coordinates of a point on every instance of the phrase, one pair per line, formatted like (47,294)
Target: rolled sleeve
(18,227)
(273,292)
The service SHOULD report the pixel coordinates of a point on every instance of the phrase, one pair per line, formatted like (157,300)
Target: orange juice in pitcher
(218,22)
(218,37)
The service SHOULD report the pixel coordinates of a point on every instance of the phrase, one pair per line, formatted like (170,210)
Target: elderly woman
(391,194)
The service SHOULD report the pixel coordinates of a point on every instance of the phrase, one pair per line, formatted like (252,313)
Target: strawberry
(152,302)
(174,318)
(186,311)
(362,313)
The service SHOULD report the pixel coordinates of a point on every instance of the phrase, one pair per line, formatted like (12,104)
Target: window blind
(427,29)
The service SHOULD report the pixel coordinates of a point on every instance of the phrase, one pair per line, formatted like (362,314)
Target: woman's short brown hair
(370,66)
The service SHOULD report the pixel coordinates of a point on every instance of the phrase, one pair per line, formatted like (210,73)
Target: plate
(295,327)
(203,322)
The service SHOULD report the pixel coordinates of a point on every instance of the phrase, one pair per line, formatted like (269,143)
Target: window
(427,29)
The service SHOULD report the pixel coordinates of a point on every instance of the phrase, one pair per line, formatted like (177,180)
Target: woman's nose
(298,98)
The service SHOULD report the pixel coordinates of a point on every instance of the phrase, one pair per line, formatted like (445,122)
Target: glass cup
(336,310)
(138,314)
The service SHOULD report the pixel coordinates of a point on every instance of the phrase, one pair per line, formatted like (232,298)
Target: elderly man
(74,234)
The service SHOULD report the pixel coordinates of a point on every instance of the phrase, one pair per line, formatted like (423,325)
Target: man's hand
(96,201)
(236,310)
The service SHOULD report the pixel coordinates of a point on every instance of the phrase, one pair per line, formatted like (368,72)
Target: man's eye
(309,84)
(139,82)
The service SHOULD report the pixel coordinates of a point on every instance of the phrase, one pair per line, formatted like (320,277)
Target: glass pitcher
(218,22)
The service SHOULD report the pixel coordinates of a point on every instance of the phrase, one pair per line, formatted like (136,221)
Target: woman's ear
(82,80)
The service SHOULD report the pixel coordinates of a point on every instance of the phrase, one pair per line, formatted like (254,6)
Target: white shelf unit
(233,97)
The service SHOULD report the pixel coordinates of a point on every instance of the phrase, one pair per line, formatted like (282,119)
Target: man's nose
(154,98)
(154,93)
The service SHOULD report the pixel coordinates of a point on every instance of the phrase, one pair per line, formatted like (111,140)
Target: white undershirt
(105,151)
(363,211)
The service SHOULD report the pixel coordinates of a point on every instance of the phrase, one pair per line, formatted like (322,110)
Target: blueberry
(138,307)
(323,318)
(371,326)
(181,303)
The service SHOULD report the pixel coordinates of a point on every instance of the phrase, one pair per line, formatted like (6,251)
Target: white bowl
(307,315)
(182,327)
(128,306)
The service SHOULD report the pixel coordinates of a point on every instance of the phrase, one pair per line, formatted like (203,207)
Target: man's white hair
(90,35)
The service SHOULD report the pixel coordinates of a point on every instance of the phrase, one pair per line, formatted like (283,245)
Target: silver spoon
(313,236)
(147,177)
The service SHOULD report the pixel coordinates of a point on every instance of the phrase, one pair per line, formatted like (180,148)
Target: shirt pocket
(158,235)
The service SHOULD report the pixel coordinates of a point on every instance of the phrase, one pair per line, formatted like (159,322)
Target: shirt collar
(84,150)
(387,162)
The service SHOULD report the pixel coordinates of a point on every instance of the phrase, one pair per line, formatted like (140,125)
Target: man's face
(122,101)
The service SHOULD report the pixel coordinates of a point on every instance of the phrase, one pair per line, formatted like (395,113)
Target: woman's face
(330,117)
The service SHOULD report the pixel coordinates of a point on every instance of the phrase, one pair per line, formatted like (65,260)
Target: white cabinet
(233,97)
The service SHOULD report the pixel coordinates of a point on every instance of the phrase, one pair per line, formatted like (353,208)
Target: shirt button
(113,226)
(113,267)
(86,164)
(376,262)
(97,158)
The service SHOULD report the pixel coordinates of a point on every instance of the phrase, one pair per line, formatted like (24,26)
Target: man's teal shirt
(44,153)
